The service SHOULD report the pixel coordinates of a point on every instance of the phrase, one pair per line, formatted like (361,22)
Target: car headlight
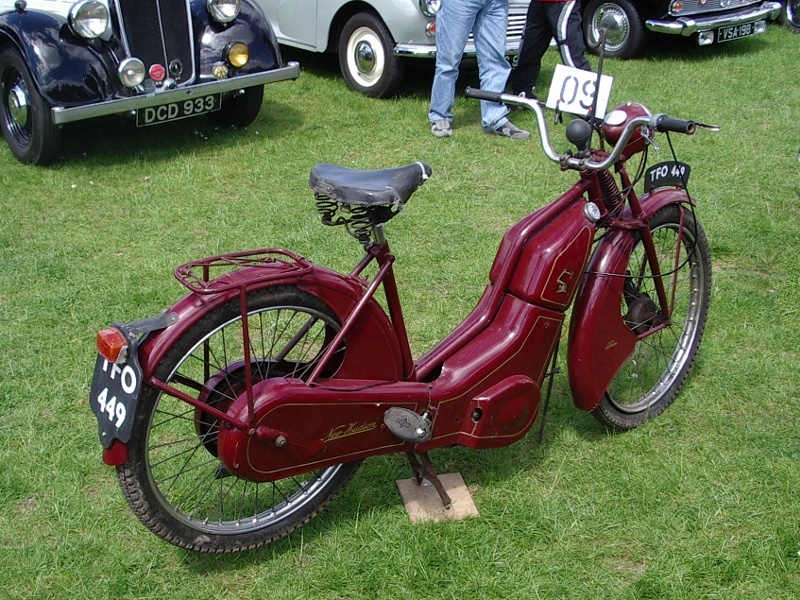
(89,18)
(223,11)
(429,8)
(131,72)
(237,54)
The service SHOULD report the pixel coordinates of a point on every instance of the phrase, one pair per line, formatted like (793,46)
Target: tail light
(112,345)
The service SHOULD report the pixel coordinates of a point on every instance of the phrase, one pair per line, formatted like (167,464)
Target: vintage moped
(240,412)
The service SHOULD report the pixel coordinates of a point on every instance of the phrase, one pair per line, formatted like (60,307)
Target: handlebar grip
(482,94)
(665,123)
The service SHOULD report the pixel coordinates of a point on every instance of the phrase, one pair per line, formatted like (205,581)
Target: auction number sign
(573,90)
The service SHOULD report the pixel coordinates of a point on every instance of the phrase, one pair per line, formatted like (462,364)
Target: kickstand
(554,370)
(424,470)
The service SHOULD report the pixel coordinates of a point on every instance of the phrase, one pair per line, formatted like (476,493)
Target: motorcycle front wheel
(651,378)
(174,480)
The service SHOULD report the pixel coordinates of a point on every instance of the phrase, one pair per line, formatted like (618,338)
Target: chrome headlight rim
(131,72)
(429,8)
(89,19)
(223,11)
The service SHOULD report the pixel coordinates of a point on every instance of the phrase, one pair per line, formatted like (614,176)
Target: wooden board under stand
(423,503)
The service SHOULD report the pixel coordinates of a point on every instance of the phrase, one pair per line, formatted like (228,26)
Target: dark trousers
(547,20)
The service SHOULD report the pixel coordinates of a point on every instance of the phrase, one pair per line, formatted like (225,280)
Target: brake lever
(647,135)
(708,127)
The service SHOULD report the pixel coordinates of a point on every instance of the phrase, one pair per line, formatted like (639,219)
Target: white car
(373,39)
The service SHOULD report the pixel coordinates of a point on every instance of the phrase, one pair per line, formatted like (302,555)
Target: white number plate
(572,91)
(178,110)
(115,392)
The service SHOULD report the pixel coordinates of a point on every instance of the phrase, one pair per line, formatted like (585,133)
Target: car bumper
(62,115)
(429,50)
(688,26)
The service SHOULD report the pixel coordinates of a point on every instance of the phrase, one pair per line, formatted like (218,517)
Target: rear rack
(217,274)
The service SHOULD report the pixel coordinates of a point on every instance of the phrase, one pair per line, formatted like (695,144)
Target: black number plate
(735,32)
(178,110)
(115,392)
(667,174)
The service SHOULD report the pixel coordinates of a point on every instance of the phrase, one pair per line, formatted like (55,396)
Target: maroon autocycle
(237,414)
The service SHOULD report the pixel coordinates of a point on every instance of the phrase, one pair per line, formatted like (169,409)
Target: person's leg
(489,32)
(535,41)
(453,24)
(569,36)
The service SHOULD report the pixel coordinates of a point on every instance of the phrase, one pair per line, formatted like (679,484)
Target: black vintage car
(628,23)
(63,61)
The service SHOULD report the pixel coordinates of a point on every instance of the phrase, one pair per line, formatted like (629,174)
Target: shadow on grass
(116,140)
(373,490)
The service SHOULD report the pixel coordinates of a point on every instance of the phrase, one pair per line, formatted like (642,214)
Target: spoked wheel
(25,114)
(653,375)
(174,480)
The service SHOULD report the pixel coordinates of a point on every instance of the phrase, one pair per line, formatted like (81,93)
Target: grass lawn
(704,502)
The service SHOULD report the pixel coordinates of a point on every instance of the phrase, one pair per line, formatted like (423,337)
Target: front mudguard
(599,340)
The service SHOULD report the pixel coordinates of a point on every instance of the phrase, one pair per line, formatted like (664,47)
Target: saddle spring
(359,221)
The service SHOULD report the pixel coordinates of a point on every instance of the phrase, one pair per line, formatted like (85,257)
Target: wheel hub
(616,24)
(365,57)
(643,314)
(18,108)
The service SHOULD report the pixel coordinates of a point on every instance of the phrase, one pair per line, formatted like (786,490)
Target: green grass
(701,503)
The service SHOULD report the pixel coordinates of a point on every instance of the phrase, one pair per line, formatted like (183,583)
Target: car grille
(159,32)
(696,7)
(516,21)
(517,13)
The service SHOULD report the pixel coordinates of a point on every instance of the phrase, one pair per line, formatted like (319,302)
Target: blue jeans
(488,21)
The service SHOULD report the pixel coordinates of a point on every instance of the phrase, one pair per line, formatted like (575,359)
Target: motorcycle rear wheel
(648,382)
(174,480)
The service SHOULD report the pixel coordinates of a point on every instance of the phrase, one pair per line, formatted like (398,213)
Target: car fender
(402,18)
(599,340)
(251,27)
(67,71)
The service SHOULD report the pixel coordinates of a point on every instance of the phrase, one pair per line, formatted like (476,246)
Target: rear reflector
(112,345)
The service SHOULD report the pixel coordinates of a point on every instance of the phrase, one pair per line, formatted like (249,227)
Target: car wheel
(790,15)
(24,114)
(625,32)
(367,59)
(240,109)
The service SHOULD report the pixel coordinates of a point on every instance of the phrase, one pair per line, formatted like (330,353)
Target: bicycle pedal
(408,425)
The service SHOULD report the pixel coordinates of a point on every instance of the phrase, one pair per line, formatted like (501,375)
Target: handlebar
(659,122)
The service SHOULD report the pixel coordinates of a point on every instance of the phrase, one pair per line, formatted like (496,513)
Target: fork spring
(612,197)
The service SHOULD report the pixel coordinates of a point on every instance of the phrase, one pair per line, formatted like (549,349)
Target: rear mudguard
(373,349)
(599,340)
